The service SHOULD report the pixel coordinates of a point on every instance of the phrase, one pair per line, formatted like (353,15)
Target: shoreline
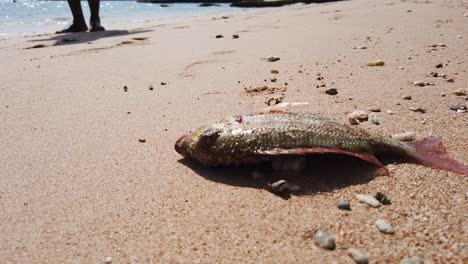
(89,121)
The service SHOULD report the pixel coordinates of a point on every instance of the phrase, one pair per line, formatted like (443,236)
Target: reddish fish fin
(303,151)
(431,153)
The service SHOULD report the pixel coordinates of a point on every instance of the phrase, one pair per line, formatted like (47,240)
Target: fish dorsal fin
(281,107)
(304,151)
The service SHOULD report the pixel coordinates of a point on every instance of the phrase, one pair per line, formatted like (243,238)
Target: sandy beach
(77,185)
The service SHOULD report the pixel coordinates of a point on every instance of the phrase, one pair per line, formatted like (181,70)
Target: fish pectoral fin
(281,107)
(304,151)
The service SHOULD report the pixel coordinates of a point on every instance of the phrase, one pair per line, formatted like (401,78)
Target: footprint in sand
(188,70)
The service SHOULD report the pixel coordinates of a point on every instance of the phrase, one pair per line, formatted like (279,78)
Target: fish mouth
(178,143)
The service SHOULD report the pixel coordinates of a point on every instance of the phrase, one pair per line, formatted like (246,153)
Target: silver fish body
(258,137)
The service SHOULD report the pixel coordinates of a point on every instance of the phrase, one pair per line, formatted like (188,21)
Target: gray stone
(343,205)
(358,256)
(384,226)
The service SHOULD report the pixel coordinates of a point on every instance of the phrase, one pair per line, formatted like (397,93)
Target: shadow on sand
(84,37)
(324,173)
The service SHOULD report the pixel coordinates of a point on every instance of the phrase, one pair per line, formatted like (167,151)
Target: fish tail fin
(431,153)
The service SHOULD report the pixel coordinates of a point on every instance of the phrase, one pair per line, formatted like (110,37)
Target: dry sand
(76,185)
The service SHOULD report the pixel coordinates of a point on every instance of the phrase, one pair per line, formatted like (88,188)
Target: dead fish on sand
(262,136)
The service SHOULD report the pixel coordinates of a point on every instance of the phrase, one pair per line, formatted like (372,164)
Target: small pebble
(412,260)
(163,83)
(273,58)
(417,109)
(419,83)
(465,15)
(376,63)
(369,200)
(401,68)
(324,240)
(343,205)
(374,109)
(460,92)
(390,112)
(440,65)
(108,260)
(235,36)
(450,80)
(151,88)
(358,256)
(360,115)
(279,186)
(374,119)
(443,94)
(407,97)
(274,71)
(406,136)
(384,226)
(409,11)
(219,36)
(125,88)
(361,47)
(273,79)
(382,198)
(141,140)
(456,107)
(331,91)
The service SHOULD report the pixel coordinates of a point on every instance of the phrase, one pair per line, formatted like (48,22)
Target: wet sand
(77,185)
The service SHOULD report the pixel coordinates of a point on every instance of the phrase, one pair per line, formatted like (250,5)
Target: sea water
(34,16)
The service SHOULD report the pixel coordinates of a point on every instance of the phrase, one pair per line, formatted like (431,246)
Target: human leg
(79,24)
(95,21)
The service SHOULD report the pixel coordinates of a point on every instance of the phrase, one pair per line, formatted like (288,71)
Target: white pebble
(374,119)
(279,186)
(406,136)
(358,256)
(390,112)
(324,240)
(360,115)
(384,226)
(369,200)
(108,260)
